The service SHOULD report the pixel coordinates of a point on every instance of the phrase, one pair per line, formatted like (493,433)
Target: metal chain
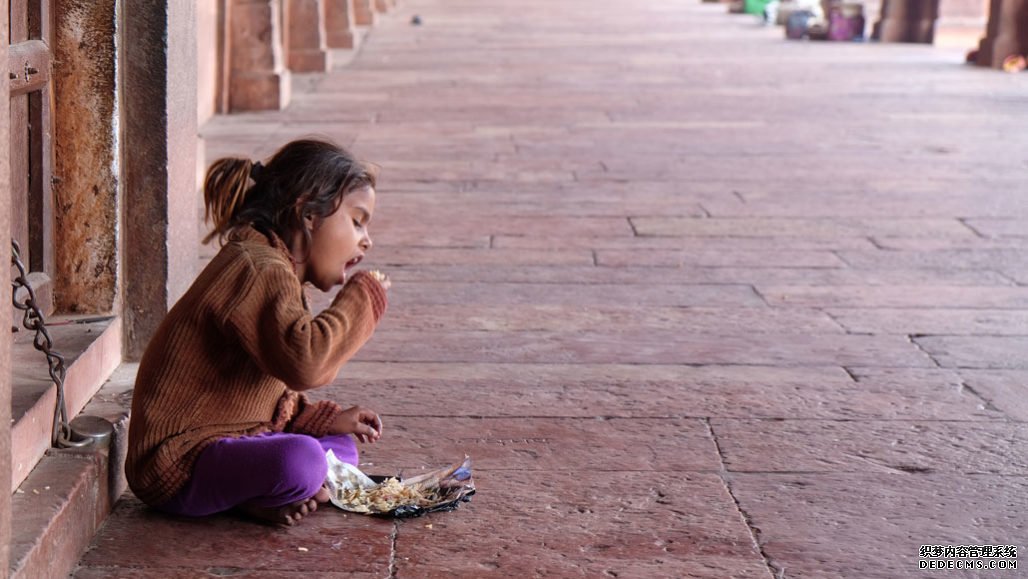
(33,320)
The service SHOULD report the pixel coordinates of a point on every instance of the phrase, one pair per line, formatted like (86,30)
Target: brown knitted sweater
(220,362)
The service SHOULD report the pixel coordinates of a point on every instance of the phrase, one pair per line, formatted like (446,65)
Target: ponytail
(224,190)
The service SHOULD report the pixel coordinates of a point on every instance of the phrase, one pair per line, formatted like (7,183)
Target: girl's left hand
(364,424)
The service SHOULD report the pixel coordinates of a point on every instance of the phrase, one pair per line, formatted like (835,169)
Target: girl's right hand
(364,424)
(382,278)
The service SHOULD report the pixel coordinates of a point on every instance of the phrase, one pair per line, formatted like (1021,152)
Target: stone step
(67,496)
(91,349)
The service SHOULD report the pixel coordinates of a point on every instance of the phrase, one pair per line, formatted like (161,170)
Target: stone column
(364,12)
(258,79)
(339,24)
(308,49)
(159,133)
(1006,34)
(907,21)
(5,282)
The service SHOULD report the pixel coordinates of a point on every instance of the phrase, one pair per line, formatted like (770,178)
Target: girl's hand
(382,278)
(364,424)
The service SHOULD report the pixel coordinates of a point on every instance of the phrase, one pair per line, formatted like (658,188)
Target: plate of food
(442,489)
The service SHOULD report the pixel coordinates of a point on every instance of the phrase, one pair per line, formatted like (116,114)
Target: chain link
(61,436)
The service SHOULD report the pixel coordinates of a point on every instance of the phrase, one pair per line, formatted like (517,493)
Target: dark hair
(305,178)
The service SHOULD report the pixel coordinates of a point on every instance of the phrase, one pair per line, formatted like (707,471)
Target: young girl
(219,418)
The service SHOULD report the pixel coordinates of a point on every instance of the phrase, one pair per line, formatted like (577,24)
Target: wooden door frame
(5,345)
(32,145)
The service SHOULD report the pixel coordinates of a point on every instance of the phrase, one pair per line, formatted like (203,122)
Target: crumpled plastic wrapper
(438,490)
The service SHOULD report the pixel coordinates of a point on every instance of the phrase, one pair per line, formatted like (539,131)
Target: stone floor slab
(709,258)
(832,228)
(994,447)
(976,351)
(645,391)
(896,297)
(567,295)
(816,525)
(1006,390)
(531,444)
(534,317)
(650,347)
(587,524)
(329,541)
(642,243)
(935,321)
(971,259)
(639,275)
(396,256)
(105,572)
(999,227)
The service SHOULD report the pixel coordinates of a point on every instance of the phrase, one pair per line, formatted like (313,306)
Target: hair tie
(255,171)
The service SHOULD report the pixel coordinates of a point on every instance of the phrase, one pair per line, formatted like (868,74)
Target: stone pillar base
(346,39)
(309,61)
(364,12)
(339,26)
(307,51)
(259,92)
(1006,34)
(907,21)
(921,32)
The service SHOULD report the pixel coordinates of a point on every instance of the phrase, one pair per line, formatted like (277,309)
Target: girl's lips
(353,262)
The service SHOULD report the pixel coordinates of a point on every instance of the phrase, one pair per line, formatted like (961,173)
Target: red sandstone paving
(638,275)
(588,524)
(531,445)
(544,315)
(645,347)
(633,391)
(1003,389)
(110,572)
(1018,274)
(576,295)
(896,296)
(802,228)
(999,227)
(934,321)
(715,258)
(686,244)
(734,306)
(871,524)
(901,204)
(331,538)
(939,244)
(987,259)
(985,352)
(960,447)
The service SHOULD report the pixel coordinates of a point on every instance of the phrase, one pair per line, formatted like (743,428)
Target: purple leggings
(268,470)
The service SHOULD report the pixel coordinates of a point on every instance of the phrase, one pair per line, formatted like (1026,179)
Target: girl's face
(339,241)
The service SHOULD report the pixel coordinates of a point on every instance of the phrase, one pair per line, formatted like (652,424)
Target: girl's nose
(366,242)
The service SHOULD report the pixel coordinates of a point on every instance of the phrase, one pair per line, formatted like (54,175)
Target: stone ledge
(92,350)
(66,498)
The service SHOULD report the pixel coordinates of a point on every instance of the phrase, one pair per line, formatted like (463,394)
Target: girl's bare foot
(288,515)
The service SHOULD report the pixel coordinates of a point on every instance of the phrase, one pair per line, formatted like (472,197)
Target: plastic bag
(438,490)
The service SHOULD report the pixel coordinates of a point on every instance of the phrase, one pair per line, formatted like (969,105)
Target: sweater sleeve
(314,418)
(291,344)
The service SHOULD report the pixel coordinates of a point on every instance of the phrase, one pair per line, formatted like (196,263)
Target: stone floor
(697,301)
